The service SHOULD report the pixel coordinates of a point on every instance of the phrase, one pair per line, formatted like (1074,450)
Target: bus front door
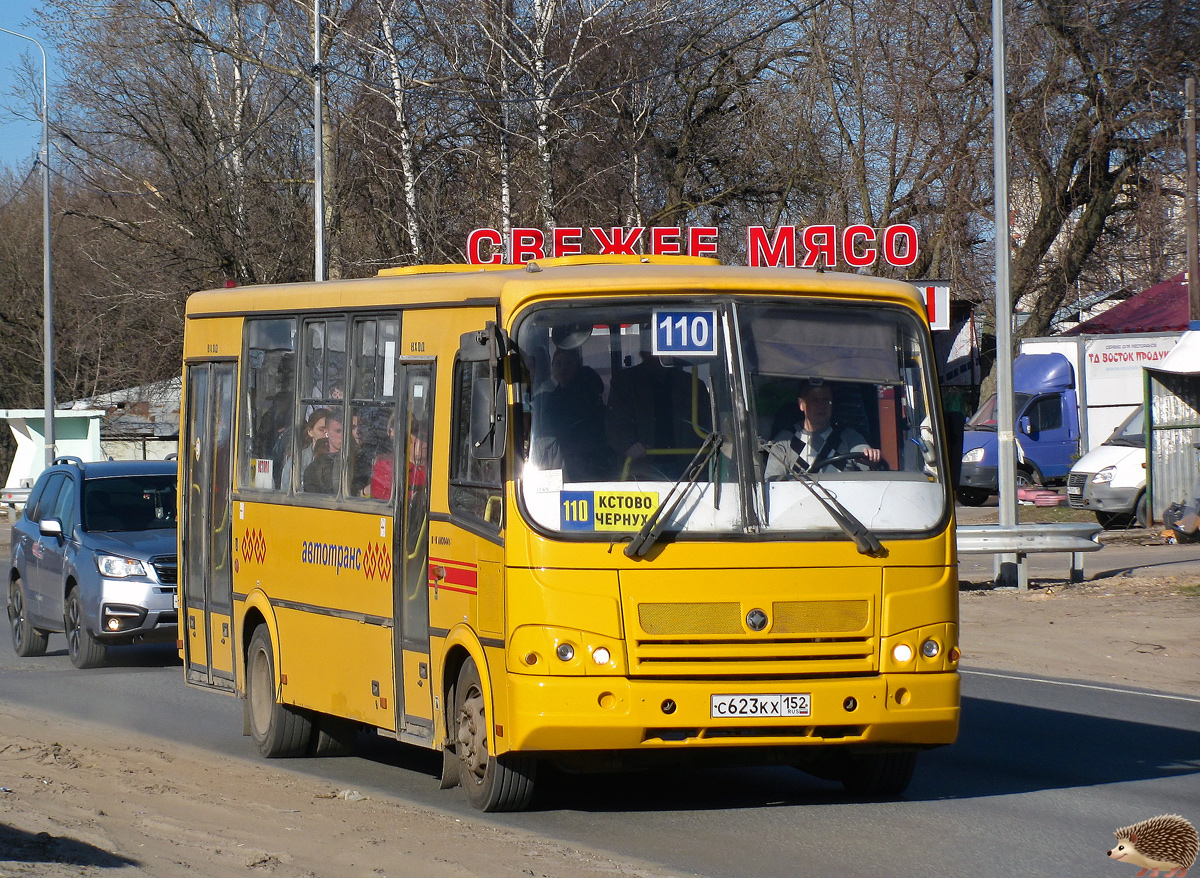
(414,683)
(206,589)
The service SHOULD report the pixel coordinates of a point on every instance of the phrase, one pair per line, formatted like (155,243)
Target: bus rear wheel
(278,730)
(492,783)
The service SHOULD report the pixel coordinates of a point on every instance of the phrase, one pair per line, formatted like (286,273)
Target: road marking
(1081,685)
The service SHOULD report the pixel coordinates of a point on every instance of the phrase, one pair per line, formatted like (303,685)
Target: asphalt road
(1042,774)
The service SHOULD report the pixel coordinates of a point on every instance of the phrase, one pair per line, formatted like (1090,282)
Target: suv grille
(1075,483)
(167,569)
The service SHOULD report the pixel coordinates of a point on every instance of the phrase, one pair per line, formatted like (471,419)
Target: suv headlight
(973,456)
(120,568)
(1105,475)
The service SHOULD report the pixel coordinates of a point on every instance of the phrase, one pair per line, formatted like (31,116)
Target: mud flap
(449,778)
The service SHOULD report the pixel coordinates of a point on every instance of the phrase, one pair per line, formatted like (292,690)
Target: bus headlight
(902,653)
(930,648)
(564,652)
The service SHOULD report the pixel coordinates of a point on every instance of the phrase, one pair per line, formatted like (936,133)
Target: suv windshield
(619,401)
(128,503)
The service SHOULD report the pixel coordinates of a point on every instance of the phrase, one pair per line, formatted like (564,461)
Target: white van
(1111,480)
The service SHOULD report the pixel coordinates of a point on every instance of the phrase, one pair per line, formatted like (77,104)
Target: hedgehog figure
(1168,842)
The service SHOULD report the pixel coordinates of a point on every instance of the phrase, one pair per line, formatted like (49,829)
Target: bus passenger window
(270,392)
(372,441)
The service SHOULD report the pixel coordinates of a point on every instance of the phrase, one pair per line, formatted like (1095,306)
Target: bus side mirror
(482,352)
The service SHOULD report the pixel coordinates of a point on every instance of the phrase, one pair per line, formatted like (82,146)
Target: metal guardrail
(1024,539)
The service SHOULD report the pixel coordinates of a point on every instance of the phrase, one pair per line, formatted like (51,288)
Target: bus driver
(815,438)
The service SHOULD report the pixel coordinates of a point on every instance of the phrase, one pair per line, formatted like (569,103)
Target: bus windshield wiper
(864,539)
(645,538)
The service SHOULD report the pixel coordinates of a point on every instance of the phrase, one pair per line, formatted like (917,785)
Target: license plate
(797,704)
(1074,490)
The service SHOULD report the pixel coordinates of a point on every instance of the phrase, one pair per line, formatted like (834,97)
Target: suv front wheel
(84,649)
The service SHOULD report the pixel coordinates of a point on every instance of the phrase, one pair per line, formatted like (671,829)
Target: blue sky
(20,140)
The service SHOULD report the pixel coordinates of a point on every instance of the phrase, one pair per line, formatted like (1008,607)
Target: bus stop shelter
(76,434)
(1173,425)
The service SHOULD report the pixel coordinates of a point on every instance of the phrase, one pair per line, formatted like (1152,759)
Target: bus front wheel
(492,783)
(278,730)
(878,775)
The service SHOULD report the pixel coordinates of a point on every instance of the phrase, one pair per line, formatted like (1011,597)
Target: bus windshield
(746,405)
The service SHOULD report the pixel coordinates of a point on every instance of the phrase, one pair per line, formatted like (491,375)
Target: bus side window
(475,485)
(269,393)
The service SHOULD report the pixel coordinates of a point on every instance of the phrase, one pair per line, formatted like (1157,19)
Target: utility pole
(47,291)
(318,151)
(1193,271)
(1008,571)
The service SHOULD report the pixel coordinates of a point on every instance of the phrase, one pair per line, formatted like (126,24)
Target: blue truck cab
(1046,412)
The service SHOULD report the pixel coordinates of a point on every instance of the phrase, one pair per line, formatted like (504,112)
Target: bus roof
(512,286)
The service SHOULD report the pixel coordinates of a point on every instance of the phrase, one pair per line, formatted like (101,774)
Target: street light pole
(318,151)
(47,292)
(1008,568)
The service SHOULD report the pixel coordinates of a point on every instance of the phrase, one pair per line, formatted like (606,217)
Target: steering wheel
(850,456)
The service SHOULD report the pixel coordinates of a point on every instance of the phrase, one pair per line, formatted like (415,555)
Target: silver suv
(93,556)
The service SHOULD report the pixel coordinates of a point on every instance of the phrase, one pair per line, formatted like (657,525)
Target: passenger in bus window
(654,408)
(569,420)
(368,436)
(320,476)
(383,469)
(312,431)
(815,437)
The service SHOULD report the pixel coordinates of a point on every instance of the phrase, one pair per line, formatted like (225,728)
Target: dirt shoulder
(80,799)
(1126,630)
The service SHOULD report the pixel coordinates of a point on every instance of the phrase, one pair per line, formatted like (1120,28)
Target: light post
(1007,572)
(47,293)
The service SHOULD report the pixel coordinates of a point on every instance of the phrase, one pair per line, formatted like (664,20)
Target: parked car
(93,556)
(1111,480)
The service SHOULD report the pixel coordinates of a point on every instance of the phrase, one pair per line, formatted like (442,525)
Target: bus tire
(332,736)
(492,783)
(879,775)
(27,640)
(82,647)
(278,730)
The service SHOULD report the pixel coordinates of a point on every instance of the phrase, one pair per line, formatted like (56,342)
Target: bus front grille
(787,617)
(713,657)
(714,638)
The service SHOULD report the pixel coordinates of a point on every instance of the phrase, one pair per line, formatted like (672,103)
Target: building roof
(1160,308)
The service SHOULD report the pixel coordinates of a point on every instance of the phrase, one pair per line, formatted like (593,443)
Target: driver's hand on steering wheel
(873,455)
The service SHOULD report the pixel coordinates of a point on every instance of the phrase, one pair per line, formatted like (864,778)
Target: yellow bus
(591,511)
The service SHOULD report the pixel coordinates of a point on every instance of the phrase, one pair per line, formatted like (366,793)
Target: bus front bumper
(616,713)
